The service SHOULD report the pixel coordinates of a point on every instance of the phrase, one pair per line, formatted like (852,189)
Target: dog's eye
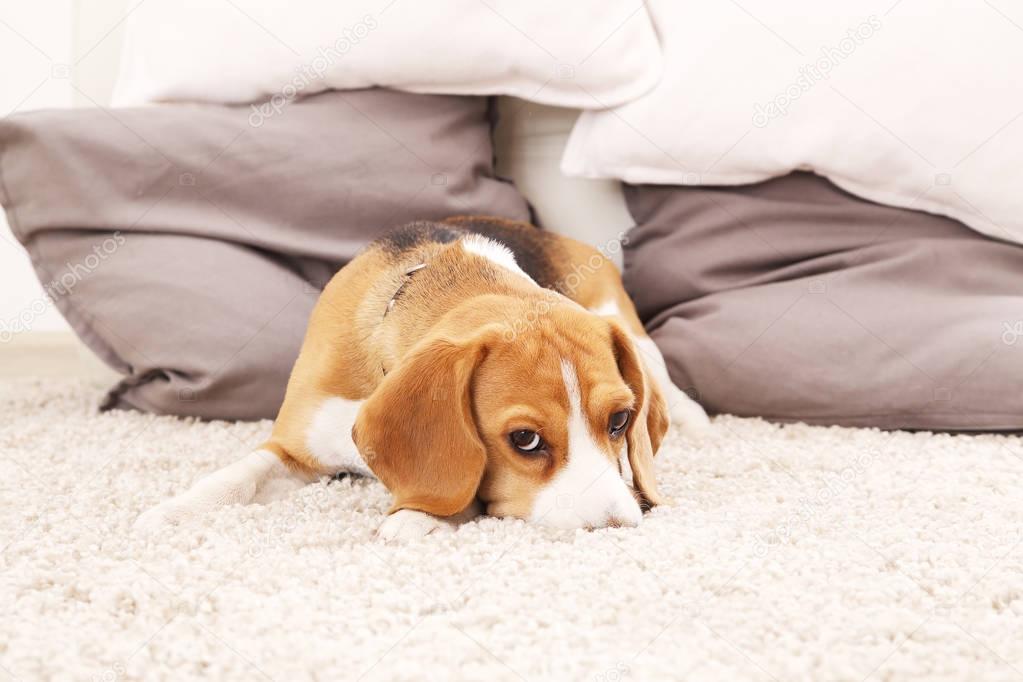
(526,441)
(617,423)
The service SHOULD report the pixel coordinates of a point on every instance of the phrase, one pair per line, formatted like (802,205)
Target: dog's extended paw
(180,510)
(687,414)
(160,518)
(408,524)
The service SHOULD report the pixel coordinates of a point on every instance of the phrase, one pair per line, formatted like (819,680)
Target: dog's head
(544,424)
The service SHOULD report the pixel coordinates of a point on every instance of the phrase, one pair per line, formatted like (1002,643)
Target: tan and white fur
(437,355)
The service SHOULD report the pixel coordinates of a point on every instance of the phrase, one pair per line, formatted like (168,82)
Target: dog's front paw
(160,518)
(176,511)
(687,414)
(408,524)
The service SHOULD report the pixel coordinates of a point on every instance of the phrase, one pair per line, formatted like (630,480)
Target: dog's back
(544,256)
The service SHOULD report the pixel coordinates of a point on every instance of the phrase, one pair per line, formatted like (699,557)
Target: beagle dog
(471,364)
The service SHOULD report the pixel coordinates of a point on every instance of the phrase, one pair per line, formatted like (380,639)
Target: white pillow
(904,102)
(579,53)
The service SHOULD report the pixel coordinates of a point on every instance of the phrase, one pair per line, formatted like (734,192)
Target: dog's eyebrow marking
(496,252)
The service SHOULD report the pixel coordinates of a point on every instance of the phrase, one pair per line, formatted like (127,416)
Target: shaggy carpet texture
(791,553)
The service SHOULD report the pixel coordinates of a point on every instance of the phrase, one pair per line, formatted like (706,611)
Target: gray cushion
(796,301)
(187,245)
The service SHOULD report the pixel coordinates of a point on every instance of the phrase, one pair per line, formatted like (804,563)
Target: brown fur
(442,372)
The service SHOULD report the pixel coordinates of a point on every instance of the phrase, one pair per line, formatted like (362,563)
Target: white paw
(236,483)
(687,414)
(408,524)
(163,516)
(213,492)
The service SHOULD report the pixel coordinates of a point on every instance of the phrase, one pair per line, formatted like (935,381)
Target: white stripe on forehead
(495,252)
(585,459)
(588,489)
(572,386)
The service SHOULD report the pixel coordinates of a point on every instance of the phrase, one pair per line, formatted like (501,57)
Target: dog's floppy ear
(650,421)
(417,431)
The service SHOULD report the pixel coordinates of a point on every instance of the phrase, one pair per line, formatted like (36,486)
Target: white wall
(57,53)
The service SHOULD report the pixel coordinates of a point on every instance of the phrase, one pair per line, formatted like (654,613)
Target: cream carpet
(793,553)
